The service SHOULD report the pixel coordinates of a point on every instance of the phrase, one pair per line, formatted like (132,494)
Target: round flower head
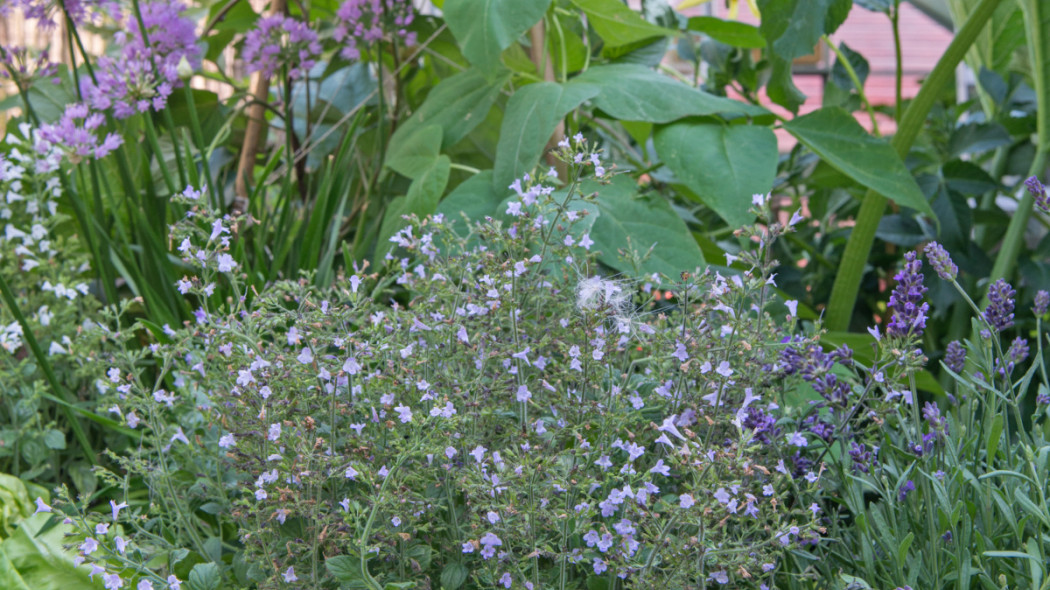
(281,40)
(370,21)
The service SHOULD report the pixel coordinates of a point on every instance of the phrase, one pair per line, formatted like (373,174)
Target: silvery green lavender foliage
(48,275)
(929,492)
(496,416)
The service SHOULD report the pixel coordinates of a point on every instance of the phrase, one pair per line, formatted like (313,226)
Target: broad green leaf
(456,106)
(630,220)
(793,28)
(532,115)
(617,24)
(347,570)
(419,155)
(36,552)
(484,28)
(426,190)
(453,576)
(840,141)
(205,576)
(724,165)
(729,32)
(475,198)
(637,93)
(55,439)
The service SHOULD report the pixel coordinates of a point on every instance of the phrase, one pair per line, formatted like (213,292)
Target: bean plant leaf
(484,28)
(835,136)
(531,117)
(453,576)
(456,105)
(630,220)
(475,197)
(724,165)
(617,24)
(347,570)
(729,32)
(636,93)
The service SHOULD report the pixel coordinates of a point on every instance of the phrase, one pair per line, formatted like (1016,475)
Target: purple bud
(1038,192)
(1042,301)
(955,357)
(909,310)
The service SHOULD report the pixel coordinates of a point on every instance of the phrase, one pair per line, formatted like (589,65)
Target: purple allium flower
(369,20)
(941,261)
(902,493)
(146,71)
(955,357)
(1038,192)
(74,134)
(909,310)
(1042,301)
(1000,311)
(281,40)
(26,67)
(45,11)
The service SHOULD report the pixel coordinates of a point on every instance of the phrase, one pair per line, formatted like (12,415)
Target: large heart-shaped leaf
(484,28)
(636,93)
(532,115)
(840,141)
(617,24)
(457,105)
(631,221)
(724,165)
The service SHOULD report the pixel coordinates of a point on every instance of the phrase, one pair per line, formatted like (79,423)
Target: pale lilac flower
(75,134)
(280,40)
(686,501)
(289,575)
(227,441)
(41,506)
(404,413)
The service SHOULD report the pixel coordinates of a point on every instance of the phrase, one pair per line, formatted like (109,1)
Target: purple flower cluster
(1042,301)
(20,66)
(1000,311)
(46,11)
(906,301)
(369,20)
(814,366)
(1038,192)
(281,40)
(146,72)
(941,261)
(75,134)
(955,357)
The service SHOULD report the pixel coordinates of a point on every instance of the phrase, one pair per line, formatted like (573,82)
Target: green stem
(1011,248)
(858,248)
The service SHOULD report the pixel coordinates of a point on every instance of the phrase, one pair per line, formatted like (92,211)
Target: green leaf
(392,223)
(641,222)
(532,115)
(781,86)
(794,27)
(617,24)
(1030,507)
(205,576)
(840,141)
(426,190)
(729,32)
(475,197)
(484,28)
(724,165)
(55,439)
(347,570)
(455,106)
(902,551)
(453,576)
(992,442)
(637,93)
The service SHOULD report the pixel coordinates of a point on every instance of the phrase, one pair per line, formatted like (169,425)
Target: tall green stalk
(858,248)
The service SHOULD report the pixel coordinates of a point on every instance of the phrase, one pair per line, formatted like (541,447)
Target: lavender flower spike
(1042,301)
(1000,311)
(909,310)
(941,261)
(1038,192)
(955,357)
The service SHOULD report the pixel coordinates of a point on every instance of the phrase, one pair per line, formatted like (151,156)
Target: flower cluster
(370,21)
(1000,310)
(76,135)
(281,41)
(22,67)
(146,71)
(906,302)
